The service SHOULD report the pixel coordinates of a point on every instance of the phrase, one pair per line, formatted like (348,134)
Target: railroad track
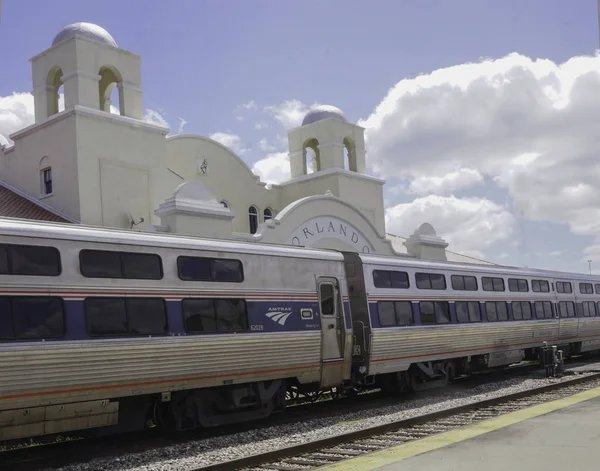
(54,455)
(335,449)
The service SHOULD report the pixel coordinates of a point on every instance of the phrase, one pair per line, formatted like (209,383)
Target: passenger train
(102,327)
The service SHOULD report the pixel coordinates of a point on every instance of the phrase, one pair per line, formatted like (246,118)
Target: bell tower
(86,62)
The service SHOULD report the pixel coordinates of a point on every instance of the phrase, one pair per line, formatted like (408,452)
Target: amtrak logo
(279,317)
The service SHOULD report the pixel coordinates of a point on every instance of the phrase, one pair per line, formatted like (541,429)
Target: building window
(47,181)
(268,214)
(253,217)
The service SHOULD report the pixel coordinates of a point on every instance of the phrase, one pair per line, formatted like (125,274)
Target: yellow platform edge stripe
(398,453)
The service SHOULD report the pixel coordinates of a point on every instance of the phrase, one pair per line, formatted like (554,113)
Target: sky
(482,116)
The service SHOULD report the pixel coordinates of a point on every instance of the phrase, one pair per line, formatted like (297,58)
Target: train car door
(332,332)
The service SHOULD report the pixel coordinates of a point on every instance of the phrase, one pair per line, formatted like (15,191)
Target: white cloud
(154,117)
(290,113)
(240,110)
(469,225)
(260,125)
(445,184)
(263,144)
(16,112)
(233,141)
(274,168)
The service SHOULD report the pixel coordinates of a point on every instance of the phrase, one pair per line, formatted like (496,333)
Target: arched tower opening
(350,155)
(312,158)
(54,88)
(111,90)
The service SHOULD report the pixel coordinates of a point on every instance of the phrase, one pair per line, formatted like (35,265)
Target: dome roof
(323,112)
(87,30)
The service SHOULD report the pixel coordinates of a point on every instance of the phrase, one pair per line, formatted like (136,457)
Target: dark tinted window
(106,316)
(589,308)
(521,310)
(566,309)
(111,264)
(212,315)
(38,317)
(199,315)
(496,311)
(210,269)
(468,311)
(30,260)
(7,329)
(430,281)
(390,279)
(146,316)
(226,271)
(326,294)
(586,288)
(597,287)
(434,312)
(464,283)
(543,310)
(395,313)
(231,314)
(3,260)
(519,285)
(563,287)
(540,286)
(492,284)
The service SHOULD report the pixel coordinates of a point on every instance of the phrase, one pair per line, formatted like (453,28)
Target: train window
(38,317)
(589,308)
(492,284)
(564,287)
(212,315)
(521,310)
(223,270)
(586,288)
(141,266)
(327,296)
(543,310)
(231,315)
(430,281)
(7,328)
(32,260)
(496,311)
(434,312)
(468,311)
(146,316)
(390,279)
(464,283)
(387,313)
(597,288)
(112,264)
(3,261)
(395,313)
(517,284)
(566,309)
(199,315)
(540,286)
(226,270)
(106,316)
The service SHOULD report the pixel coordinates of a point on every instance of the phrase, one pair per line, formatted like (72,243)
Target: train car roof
(475,267)
(62,231)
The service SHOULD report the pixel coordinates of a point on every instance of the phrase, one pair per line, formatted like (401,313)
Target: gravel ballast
(194,454)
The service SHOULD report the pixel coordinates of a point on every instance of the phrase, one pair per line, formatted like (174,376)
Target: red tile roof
(16,206)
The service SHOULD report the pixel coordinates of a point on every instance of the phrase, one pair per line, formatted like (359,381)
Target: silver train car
(102,327)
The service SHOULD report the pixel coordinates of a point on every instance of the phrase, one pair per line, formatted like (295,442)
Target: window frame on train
(543,304)
(127,304)
(497,318)
(520,316)
(124,269)
(496,283)
(564,287)
(518,285)
(391,279)
(459,283)
(592,309)
(472,315)
(436,304)
(210,274)
(10,252)
(540,283)
(566,309)
(187,301)
(421,277)
(586,288)
(14,317)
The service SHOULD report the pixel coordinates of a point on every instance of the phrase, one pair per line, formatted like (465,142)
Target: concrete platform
(584,368)
(559,435)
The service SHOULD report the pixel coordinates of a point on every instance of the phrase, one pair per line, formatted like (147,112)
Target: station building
(92,164)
